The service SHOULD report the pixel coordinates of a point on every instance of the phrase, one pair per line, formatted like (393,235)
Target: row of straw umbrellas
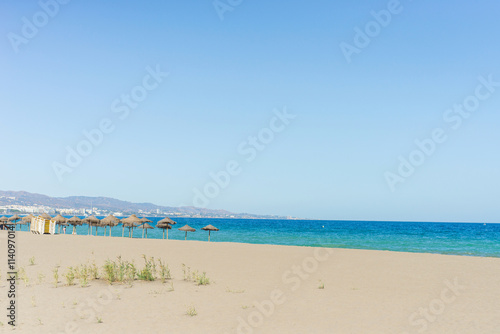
(110,221)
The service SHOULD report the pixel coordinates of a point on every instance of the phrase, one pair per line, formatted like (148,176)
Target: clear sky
(361,91)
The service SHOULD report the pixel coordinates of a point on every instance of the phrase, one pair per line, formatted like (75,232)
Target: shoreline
(274,244)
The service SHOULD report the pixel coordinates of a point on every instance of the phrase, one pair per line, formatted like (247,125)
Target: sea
(467,239)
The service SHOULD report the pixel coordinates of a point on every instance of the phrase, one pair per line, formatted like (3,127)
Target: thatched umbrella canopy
(27,220)
(60,220)
(209,228)
(75,221)
(130,222)
(45,216)
(166,221)
(187,228)
(143,221)
(12,220)
(164,226)
(92,221)
(110,221)
(145,227)
(3,220)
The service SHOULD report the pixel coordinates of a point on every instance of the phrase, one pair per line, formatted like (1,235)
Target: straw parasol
(3,220)
(92,221)
(60,220)
(110,221)
(130,222)
(75,221)
(164,227)
(27,220)
(187,228)
(209,228)
(165,224)
(143,221)
(145,227)
(167,221)
(13,219)
(45,216)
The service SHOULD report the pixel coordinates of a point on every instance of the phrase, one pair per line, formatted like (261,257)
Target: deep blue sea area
(443,238)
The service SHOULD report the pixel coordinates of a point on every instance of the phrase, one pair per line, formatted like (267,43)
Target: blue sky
(227,78)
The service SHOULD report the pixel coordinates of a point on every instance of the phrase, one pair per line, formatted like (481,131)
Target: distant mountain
(23,198)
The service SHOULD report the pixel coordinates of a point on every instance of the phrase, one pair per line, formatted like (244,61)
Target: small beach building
(41,225)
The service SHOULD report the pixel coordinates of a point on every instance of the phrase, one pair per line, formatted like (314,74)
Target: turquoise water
(442,238)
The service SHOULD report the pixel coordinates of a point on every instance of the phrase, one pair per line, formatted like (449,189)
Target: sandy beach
(253,289)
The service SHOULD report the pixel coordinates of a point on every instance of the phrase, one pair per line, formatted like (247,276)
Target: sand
(254,289)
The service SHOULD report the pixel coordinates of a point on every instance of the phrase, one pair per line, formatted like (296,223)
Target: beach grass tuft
(148,273)
(186,272)
(32,261)
(164,271)
(40,278)
(321,285)
(21,274)
(84,276)
(56,276)
(70,276)
(94,271)
(202,279)
(119,271)
(191,311)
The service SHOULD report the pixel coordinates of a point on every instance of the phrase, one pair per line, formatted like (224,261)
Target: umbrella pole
(143,232)
(167,233)
(123,231)
(110,231)
(208,236)
(146,233)
(186,236)
(163,233)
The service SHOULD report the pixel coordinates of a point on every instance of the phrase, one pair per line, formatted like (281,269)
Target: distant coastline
(22,202)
